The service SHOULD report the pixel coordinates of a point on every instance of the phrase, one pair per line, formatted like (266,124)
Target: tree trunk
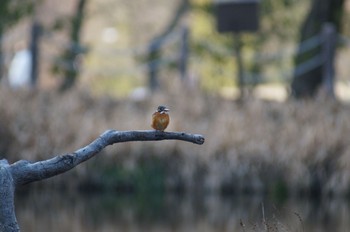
(307,83)
(71,73)
(8,221)
(1,55)
(35,52)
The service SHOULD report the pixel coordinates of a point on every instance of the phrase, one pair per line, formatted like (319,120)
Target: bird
(160,118)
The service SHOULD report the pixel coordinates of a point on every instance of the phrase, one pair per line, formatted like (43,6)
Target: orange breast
(160,121)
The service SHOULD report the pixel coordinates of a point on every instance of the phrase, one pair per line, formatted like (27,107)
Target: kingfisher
(160,118)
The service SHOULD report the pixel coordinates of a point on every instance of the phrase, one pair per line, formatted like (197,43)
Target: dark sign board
(237,15)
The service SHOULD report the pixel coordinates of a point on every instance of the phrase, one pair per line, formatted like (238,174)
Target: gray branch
(24,172)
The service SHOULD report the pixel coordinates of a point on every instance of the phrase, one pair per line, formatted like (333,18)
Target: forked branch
(24,172)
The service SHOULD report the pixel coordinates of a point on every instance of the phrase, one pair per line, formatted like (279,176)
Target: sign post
(237,16)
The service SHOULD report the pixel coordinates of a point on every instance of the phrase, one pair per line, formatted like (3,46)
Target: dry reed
(250,146)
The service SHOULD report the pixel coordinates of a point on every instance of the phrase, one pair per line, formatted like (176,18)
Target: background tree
(321,12)
(157,42)
(70,71)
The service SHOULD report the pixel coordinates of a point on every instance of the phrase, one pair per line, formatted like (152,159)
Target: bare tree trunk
(8,221)
(321,12)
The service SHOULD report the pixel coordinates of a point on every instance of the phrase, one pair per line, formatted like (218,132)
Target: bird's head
(162,109)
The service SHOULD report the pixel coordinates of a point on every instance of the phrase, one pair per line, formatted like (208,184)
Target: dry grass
(256,145)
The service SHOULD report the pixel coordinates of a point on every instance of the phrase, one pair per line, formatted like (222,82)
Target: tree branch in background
(157,42)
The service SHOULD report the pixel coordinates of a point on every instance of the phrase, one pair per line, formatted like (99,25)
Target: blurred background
(265,81)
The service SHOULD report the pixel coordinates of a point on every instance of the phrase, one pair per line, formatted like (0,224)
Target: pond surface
(51,211)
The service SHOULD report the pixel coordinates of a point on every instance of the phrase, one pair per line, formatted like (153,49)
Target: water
(52,211)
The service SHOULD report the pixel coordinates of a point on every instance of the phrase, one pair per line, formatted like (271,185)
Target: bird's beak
(166,110)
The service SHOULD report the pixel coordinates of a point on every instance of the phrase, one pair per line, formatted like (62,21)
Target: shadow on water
(52,211)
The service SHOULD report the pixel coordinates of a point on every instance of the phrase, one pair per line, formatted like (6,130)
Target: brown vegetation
(255,146)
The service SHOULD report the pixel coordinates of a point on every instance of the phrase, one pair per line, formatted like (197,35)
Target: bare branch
(24,172)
